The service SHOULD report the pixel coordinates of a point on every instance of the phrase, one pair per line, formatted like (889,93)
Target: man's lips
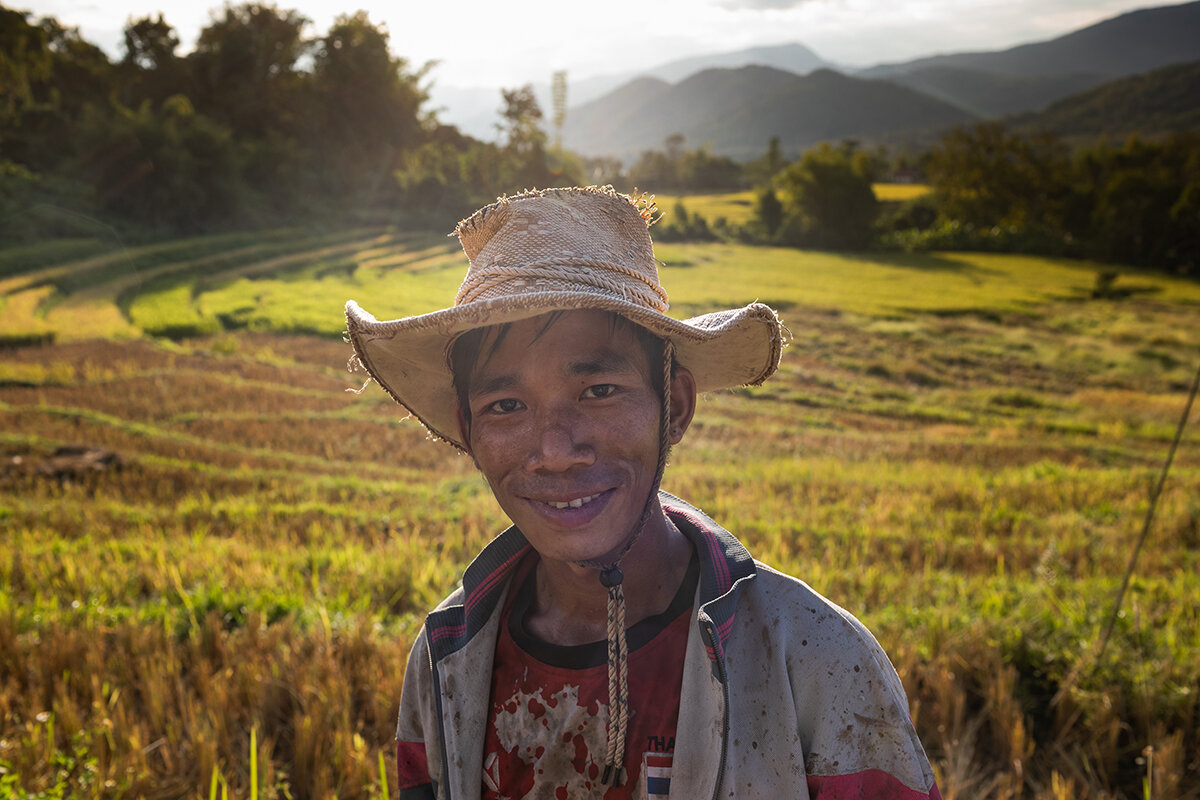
(570,508)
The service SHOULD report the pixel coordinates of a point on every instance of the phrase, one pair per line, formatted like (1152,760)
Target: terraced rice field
(212,548)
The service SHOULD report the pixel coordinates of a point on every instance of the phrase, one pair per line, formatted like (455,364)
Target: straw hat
(556,250)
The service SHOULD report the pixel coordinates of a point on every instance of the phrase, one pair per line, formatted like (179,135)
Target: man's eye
(600,391)
(505,406)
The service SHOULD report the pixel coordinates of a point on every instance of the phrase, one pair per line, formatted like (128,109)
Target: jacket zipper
(437,700)
(712,643)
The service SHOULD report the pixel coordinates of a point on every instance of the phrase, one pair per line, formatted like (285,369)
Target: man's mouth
(576,503)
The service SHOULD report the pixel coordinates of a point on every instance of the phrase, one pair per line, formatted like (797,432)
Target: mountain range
(1164,100)
(735,102)
(735,112)
(1027,77)
(475,109)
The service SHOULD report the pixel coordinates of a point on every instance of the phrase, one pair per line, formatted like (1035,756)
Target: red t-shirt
(547,730)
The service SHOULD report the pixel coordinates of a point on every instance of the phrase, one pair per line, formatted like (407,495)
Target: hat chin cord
(611,578)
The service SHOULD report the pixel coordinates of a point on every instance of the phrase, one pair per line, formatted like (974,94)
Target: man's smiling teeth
(572,503)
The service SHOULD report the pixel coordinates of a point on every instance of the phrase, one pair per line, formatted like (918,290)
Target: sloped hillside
(737,111)
(1123,45)
(1164,100)
(1027,77)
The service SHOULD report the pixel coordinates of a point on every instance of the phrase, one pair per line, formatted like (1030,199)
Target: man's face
(564,425)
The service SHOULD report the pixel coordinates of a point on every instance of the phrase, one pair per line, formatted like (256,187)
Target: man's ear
(683,403)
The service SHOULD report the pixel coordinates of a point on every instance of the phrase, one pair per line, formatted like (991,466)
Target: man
(614,642)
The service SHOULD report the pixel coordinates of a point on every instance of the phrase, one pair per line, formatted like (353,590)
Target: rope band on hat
(646,291)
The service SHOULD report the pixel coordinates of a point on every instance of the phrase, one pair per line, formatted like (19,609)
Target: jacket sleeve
(416,730)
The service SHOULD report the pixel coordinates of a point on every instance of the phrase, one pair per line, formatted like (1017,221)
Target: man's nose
(559,446)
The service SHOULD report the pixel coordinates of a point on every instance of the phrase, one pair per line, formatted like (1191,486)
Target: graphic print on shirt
(547,734)
(528,728)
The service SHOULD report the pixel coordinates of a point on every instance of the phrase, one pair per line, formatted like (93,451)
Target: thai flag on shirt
(657,769)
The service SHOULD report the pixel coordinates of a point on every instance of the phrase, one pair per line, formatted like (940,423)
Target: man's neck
(570,604)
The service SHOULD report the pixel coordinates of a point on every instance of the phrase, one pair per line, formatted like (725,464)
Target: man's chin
(579,546)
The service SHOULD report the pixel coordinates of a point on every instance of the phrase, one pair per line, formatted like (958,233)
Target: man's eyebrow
(495,383)
(603,362)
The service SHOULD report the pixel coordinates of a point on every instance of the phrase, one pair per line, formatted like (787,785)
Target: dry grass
(969,483)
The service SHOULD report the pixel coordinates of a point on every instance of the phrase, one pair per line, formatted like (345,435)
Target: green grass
(702,277)
(299,285)
(958,448)
(738,207)
(899,192)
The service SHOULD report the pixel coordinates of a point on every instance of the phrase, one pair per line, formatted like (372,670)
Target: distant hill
(981,84)
(737,111)
(1041,72)
(989,94)
(476,110)
(793,57)
(1165,100)
(1133,42)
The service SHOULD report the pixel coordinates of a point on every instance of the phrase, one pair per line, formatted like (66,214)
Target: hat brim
(408,357)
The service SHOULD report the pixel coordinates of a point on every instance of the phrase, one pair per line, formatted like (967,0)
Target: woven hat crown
(586,240)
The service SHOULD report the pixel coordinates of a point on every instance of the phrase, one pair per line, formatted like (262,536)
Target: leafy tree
(172,170)
(828,201)
(1132,211)
(1185,217)
(246,77)
(675,168)
(150,43)
(81,75)
(987,176)
(150,70)
(62,97)
(654,168)
(1145,207)
(768,211)
(25,61)
(525,141)
(521,121)
(364,109)
(680,226)
(245,65)
(760,171)
(701,170)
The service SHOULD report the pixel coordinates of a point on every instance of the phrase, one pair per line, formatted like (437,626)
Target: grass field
(958,448)
(738,207)
(895,192)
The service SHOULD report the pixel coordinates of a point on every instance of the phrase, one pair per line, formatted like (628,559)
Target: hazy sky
(509,42)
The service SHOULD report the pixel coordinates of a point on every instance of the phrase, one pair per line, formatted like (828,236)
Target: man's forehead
(600,326)
(588,333)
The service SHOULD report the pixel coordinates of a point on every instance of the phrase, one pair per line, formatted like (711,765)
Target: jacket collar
(724,565)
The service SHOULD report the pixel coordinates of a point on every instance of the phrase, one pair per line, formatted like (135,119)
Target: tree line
(263,124)
(1135,202)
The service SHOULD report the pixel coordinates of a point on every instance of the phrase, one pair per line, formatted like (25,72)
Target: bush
(680,226)
(954,235)
(828,200)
